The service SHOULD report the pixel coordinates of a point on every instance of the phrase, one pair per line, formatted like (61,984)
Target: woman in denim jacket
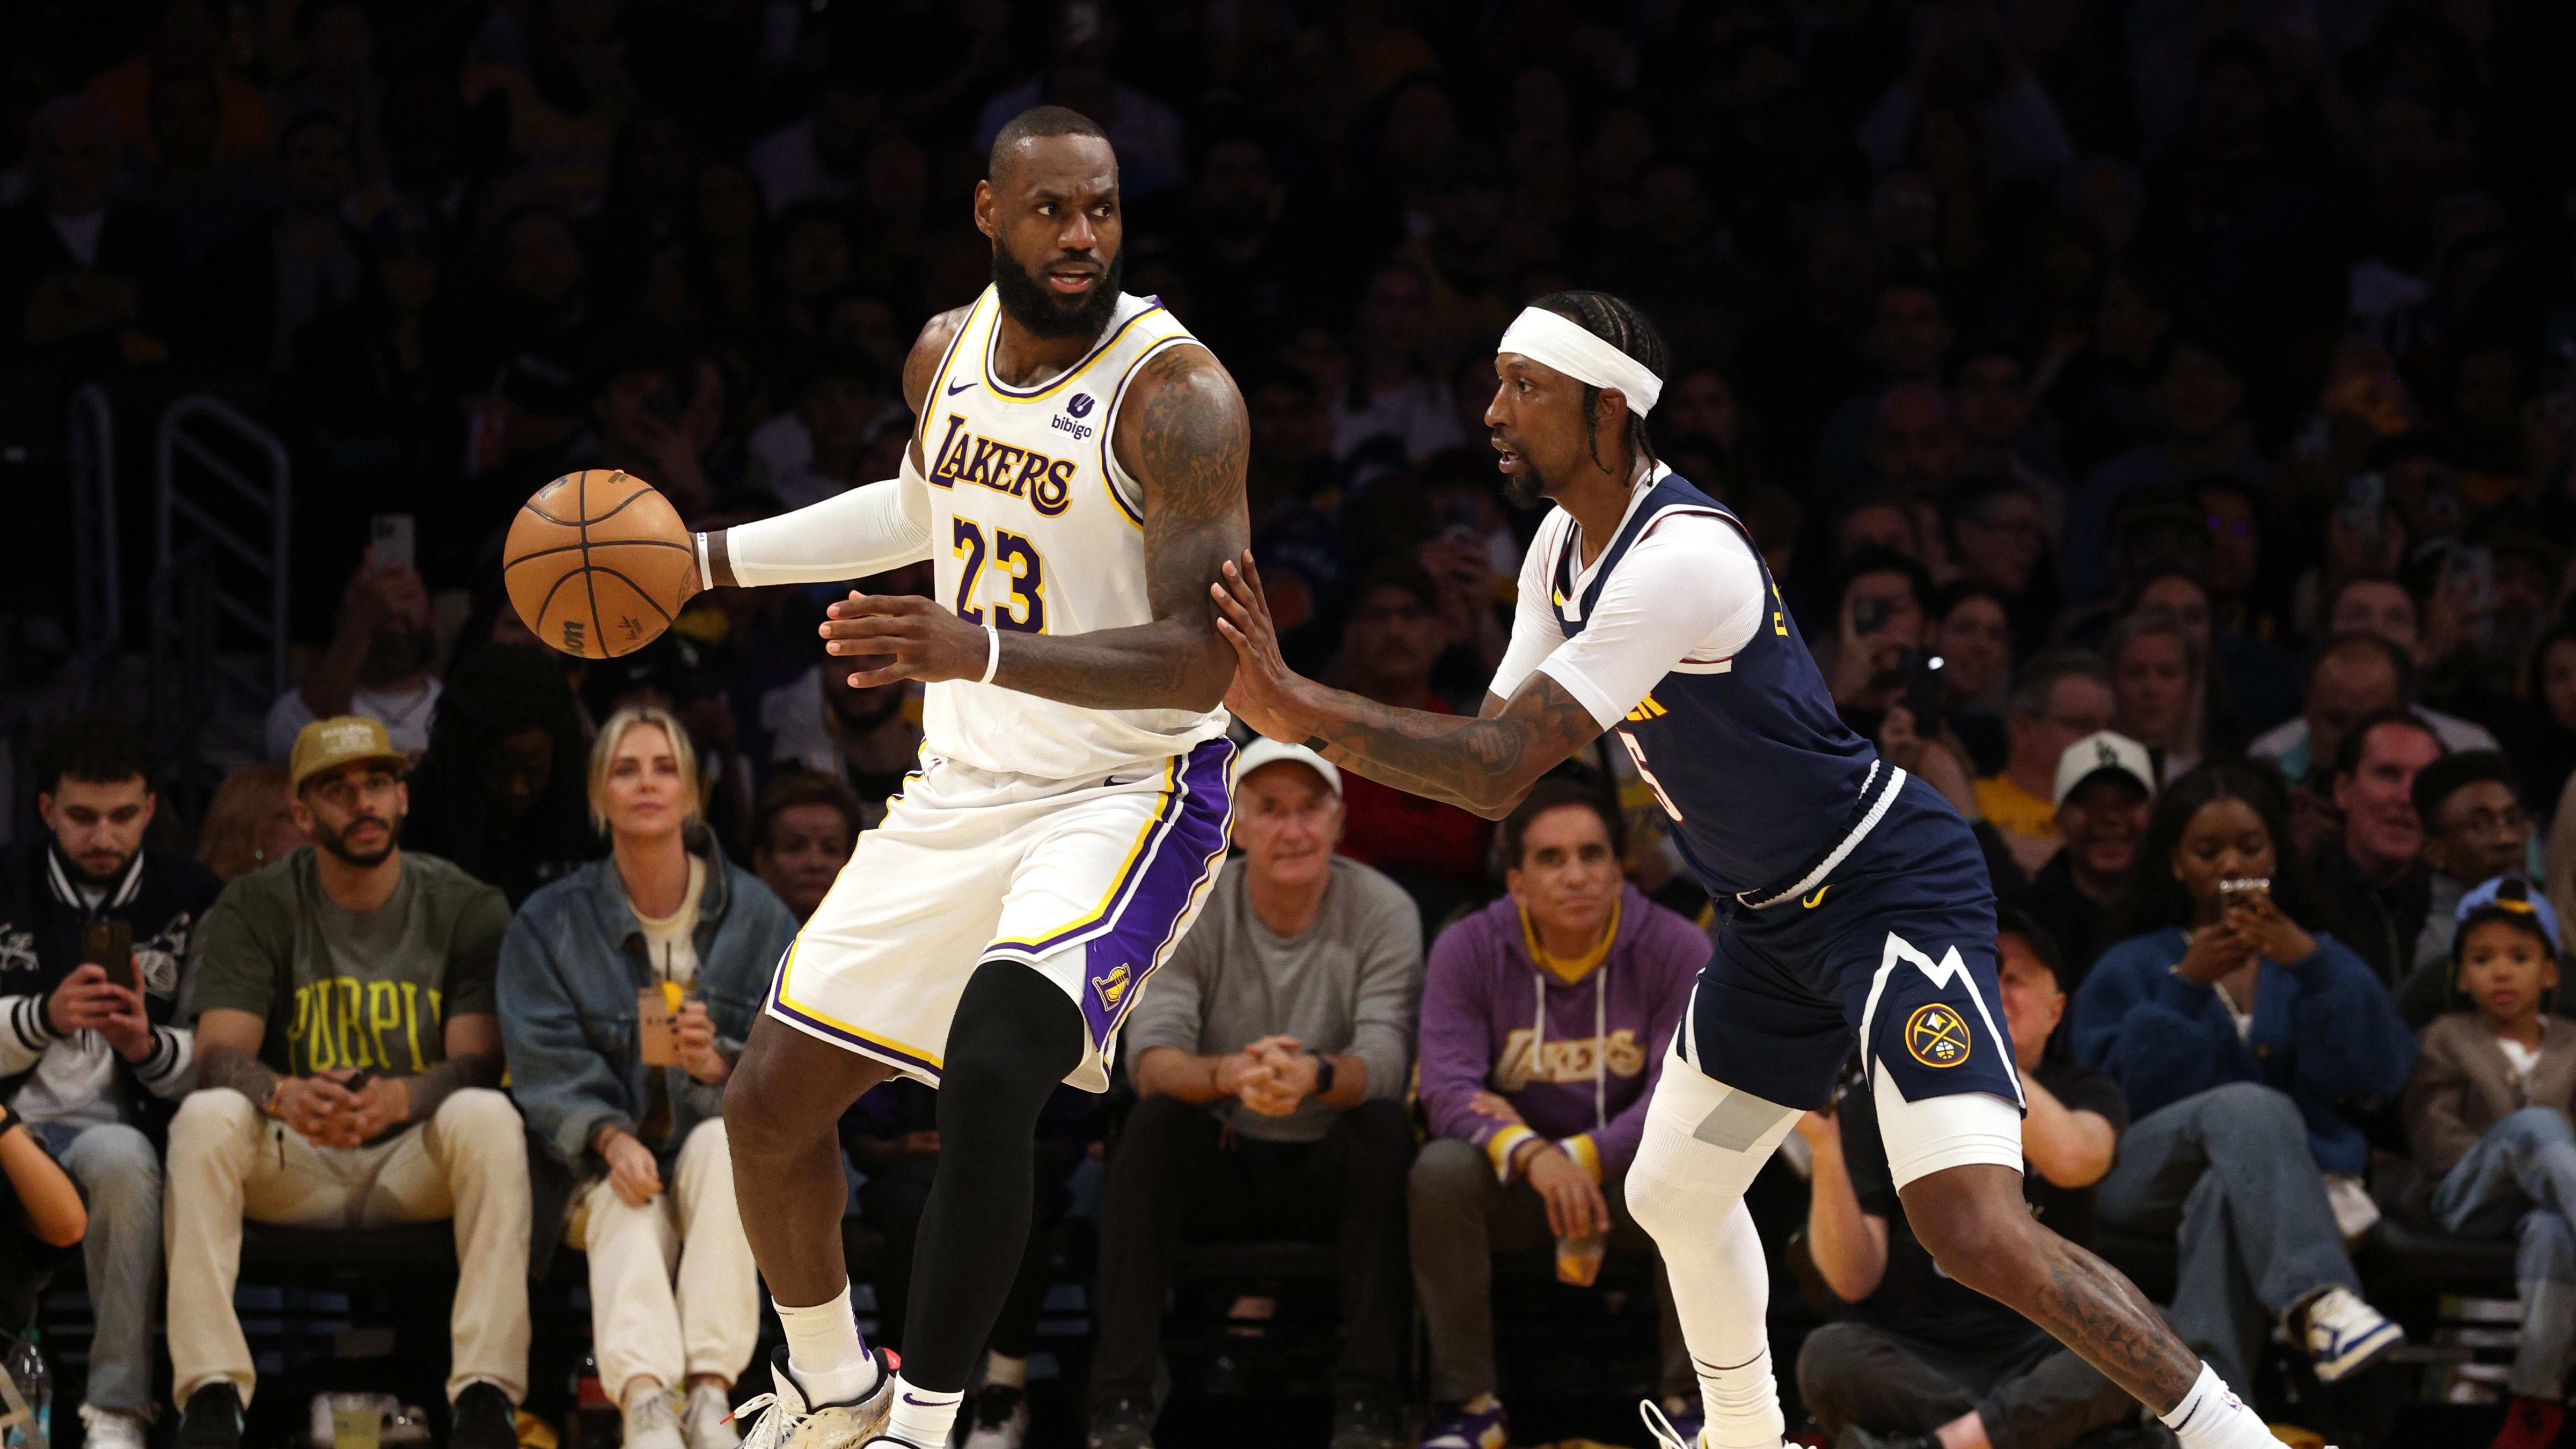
(626,991)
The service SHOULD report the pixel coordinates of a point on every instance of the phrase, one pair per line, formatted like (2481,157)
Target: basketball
(597,563)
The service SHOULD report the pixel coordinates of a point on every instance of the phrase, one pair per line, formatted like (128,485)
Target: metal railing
(97,583)
(222,514)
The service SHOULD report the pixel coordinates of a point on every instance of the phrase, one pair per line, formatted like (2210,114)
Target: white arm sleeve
(1690,591)
(851,535)
(1535,634)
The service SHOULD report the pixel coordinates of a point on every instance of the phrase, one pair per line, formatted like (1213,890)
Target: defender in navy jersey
(1859,906)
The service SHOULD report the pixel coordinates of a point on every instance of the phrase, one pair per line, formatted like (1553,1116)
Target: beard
(337,841)
(1025,296)
(1527,488)
(81,874)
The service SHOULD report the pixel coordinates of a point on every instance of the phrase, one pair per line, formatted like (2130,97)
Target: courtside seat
(277,1253)
(2435,1257)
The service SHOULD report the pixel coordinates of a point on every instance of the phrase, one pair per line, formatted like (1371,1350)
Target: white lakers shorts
(1091,883)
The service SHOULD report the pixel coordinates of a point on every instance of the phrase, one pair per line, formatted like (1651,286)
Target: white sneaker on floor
(651,1421)
(786,1421)
(2344,1334)
(108,1429)
(707,1420)
(997,1417)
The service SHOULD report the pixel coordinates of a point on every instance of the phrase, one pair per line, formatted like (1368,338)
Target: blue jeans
(2520,1181)
(120,1174)
(2228,1174)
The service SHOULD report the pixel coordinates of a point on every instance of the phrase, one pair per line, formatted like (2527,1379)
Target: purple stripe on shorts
(1170,877)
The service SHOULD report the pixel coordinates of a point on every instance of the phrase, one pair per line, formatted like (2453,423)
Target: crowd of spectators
(2161,418)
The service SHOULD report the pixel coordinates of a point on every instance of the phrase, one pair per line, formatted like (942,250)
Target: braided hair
(1623,325)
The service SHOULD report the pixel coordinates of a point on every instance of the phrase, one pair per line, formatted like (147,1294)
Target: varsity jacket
(43,915)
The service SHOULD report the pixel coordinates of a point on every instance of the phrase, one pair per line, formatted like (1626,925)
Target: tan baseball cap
(343,739)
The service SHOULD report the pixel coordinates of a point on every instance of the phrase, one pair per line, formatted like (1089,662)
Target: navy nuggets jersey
(1861,910)
(1746,754)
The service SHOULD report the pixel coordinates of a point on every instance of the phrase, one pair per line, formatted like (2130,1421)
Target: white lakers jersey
(1036,529)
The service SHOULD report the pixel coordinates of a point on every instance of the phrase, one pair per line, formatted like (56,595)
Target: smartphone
(2364,496)
(1869,614)
(1927,692)
(2232,891)
(358,1079)
(391,533)
(111,945)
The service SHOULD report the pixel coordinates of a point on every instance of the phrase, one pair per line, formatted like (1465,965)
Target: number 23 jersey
(1036,529)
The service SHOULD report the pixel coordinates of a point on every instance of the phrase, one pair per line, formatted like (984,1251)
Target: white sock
(2212,1417)
(831,1363)
(1688,1191)
(922,1418)
(1001,1368)
(1740,1405)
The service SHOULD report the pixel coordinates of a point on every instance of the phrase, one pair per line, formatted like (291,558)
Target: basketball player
(1859,899)
(1077,476)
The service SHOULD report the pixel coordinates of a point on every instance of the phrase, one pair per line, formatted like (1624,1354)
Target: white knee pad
(1703,1145)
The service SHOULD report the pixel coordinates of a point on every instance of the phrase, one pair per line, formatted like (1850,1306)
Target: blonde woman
(626,990)
(249,823)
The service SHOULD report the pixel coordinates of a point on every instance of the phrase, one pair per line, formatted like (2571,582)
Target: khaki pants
(673,1291)
(228,1162)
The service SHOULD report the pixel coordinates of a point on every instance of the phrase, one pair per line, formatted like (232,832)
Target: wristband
(276,1089)
(992,652)
(1323,1074)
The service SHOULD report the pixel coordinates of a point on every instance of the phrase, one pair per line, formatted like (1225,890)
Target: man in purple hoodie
(1545,1017)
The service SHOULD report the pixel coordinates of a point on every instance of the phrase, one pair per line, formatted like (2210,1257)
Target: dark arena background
(2199,370)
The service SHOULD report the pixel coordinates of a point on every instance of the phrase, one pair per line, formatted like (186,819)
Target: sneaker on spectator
(483,1418)
(1366,1419)
(787,1422)
(2344,1334)
(1125,1424)
(2529,1424)
(212,1419)
(1472,1428)
(997,1418)
(108,1429)
(651,1422)
(707,1422)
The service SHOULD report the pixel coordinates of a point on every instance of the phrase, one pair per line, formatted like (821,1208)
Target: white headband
(1543,336)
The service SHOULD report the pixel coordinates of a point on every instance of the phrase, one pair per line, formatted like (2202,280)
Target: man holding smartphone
(94,929)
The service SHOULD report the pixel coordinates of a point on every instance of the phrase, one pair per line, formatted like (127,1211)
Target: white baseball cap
(1266,751)
(2099,751)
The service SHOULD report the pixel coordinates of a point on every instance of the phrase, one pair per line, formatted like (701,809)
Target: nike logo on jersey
(1810,901)
(1021,472)
(955,388)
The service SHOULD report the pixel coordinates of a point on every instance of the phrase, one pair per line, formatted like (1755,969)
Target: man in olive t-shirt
(348,1049)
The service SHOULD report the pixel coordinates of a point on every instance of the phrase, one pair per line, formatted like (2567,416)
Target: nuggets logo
(1112,988)
(1936,1036)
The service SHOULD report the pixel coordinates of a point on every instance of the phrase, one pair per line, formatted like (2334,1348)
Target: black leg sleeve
(1015,1038)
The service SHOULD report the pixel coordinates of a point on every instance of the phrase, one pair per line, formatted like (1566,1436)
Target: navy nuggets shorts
(1895,950)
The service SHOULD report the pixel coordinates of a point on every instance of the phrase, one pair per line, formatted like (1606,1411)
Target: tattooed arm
(1184,435)
(1484,765)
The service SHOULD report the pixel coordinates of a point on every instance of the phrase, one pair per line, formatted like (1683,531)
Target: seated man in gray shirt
(1271,1057)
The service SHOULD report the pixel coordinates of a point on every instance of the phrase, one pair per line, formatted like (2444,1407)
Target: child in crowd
(2487,1115)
